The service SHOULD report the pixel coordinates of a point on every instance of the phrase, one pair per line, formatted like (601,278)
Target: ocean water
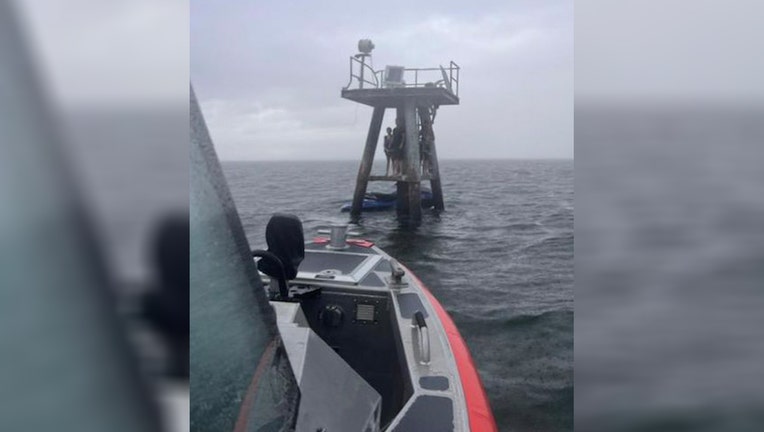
(669,268)
(499,259)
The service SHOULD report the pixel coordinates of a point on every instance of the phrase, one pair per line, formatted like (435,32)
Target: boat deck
(377,335)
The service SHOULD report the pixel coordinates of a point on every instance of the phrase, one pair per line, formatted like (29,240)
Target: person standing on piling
(398,144)
(426,139)
(388,149)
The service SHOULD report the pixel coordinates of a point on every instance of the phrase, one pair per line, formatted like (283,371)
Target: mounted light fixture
(365,46)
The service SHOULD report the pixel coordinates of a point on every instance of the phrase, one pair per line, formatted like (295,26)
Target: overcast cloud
(269,75)
(658,50)
(110,52)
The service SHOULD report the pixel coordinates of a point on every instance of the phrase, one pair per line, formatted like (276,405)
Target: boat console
(355,316)
(340,295)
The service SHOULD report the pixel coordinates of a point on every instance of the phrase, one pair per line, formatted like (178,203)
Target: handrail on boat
(423,336)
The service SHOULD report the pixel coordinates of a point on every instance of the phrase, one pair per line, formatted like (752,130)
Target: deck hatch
(339,267)
(345,263)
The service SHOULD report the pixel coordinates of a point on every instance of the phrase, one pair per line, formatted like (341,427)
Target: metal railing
(412,77)
(359,70)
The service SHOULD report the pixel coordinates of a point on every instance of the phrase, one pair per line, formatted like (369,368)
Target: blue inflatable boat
(378,201)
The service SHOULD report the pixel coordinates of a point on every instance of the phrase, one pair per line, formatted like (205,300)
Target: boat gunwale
(479,413)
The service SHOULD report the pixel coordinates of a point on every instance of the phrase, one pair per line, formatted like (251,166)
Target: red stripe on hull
(478,409)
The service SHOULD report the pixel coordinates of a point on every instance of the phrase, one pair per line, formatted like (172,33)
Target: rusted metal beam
(394,178)
(402,199)
(366,161)
(426,117)
(411,163)
(435,186)
(415,202)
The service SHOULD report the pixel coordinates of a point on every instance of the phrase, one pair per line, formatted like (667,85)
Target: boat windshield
(241,375)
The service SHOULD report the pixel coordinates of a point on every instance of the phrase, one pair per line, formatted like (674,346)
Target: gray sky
(269,75)
(271,72)
(677,50)
(110,52)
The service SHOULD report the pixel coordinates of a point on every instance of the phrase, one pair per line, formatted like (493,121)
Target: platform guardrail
(363,76)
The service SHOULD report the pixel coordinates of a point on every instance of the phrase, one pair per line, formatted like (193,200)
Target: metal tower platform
(416,95)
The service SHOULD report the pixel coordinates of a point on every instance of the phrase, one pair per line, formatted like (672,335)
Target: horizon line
(383,160)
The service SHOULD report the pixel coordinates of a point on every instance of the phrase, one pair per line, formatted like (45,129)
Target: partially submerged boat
(380,201)
(342,337)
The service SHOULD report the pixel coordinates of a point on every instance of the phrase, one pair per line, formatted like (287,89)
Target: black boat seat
(166,308)
(286,250)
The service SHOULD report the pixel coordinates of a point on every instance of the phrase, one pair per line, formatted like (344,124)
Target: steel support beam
(366,161)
